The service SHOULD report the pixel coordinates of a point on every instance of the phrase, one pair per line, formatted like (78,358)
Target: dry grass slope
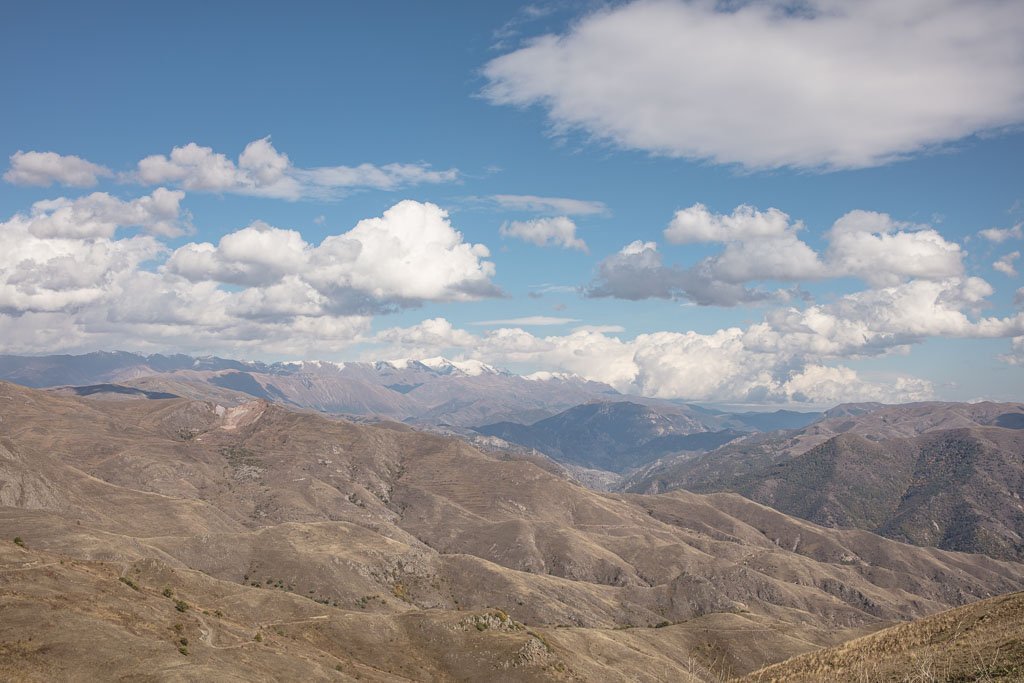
(983,641)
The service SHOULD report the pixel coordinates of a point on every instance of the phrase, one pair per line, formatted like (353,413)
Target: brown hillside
(393,553)
(983,641)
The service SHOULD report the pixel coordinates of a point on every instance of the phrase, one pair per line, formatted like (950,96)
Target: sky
(746,203)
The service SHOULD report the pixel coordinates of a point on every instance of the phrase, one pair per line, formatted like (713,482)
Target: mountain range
(431,391)
(253,541)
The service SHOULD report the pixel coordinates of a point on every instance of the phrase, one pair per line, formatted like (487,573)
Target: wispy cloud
(552,205)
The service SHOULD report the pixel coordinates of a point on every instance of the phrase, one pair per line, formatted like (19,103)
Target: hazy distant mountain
(433,390)
(779,419)
(939,474)
(258,543)
(614,436)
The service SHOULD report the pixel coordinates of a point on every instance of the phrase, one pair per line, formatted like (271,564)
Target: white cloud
(697,224)
(707,367)
(999,235)
(528,320)
(100,215)
(263,171)
(878,321)
(554,205)
(765,246)
(636,272)
(90,294)
(45,274)
(602,329)
(833,85)
(408,255)
(1005,264)
(760,245)
(830,385)
(46,168)
(421,340)
(558,231)
(410,252)
(259,254)
(792,355)
(884,252)
(91,288)
(1016,355)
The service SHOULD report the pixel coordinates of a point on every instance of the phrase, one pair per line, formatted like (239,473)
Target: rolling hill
(309,547)
(943,475)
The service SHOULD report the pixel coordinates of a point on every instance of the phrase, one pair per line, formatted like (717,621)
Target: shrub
(183,650)
(168,593)
(181,605)
(258,637)
(18,541)
(128,582)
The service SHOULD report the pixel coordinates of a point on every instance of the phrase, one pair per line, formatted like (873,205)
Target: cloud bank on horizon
(115,260)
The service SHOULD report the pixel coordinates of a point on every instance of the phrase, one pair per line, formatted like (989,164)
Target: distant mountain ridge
(430,390)
(614,436)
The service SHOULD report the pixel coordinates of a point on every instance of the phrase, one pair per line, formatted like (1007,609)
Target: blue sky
(634,110)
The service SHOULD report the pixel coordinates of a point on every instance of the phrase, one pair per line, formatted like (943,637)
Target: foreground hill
(311,548)
(983,641)
(945,475)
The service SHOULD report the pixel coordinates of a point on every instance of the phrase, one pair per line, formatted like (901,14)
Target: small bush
(662,624)
(168,593)
(183,641)
(258,638)
(19,542)
(178,628)
(128,582)
(183,650)
(181,605)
